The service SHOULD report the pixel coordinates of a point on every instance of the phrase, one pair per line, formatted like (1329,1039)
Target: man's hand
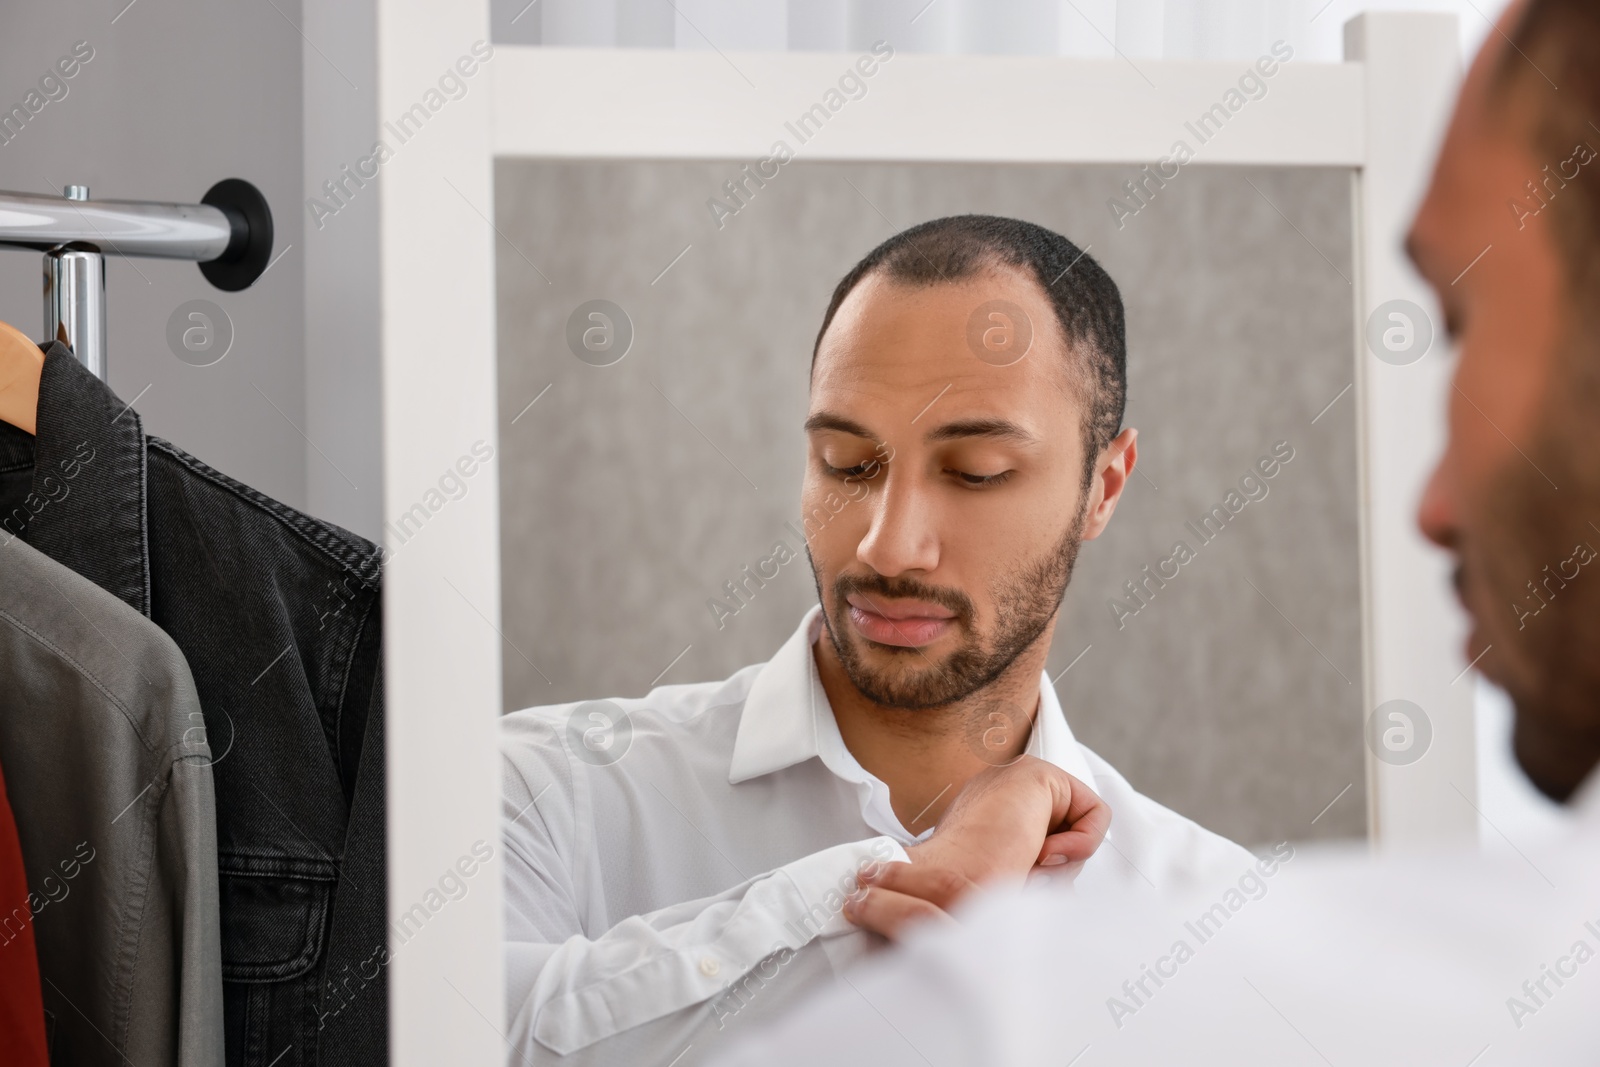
(1005,822)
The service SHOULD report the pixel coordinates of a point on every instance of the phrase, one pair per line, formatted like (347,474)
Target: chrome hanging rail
(229,233)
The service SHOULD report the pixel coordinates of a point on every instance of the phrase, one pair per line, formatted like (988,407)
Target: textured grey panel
(631,493)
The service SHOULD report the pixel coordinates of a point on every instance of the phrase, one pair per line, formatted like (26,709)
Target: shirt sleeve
(568,990)
(188,818)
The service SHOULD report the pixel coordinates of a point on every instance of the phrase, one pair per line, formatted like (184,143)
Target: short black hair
(1087,304)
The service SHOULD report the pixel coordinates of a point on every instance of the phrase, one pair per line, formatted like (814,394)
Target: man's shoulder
(1162,846)
(666,712)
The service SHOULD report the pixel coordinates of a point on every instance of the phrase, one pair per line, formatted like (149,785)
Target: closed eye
(983,480)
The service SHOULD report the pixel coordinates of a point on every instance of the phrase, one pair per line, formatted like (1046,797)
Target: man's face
(1516,495)
(943,494)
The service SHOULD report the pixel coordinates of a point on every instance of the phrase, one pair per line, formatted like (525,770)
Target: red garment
(22,1041)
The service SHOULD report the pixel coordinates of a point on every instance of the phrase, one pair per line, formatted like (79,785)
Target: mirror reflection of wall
(642,501)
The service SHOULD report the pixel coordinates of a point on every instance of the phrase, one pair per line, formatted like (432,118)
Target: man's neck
(926,756)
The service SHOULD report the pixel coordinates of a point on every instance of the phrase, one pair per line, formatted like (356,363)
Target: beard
(1528,551)
(1025,604)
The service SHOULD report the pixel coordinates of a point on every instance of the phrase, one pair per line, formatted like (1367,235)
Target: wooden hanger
(21,363)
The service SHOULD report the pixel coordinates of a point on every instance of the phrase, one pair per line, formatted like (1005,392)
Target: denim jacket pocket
(275,918)
(276,915)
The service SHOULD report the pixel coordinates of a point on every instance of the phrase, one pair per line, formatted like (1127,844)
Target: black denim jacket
(278,615)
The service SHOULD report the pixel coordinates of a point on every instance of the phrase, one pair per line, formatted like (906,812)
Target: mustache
(876,585)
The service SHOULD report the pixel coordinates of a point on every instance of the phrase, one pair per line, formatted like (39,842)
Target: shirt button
(709,967)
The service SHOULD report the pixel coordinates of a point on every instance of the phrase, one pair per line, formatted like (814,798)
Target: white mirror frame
(1380,113)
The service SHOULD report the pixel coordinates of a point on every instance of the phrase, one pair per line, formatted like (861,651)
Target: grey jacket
(109,775)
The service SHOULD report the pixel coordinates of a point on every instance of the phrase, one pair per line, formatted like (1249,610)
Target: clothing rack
(229,233)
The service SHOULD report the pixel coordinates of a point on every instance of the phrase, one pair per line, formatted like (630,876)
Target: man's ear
(1113,467)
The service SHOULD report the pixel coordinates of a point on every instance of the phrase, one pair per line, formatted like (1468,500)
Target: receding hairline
(990,266)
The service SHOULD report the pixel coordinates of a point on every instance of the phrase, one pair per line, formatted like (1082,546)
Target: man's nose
(1436,514)
(902,535)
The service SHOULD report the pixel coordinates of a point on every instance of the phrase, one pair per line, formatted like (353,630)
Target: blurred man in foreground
(1455,960)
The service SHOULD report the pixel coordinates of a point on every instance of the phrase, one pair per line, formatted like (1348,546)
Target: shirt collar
(777,728)
(787,708)
(87,507)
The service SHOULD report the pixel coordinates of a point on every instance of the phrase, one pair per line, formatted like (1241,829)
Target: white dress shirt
(1458,959)
(664,865)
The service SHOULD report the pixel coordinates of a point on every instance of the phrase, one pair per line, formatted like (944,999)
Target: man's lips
(906,623)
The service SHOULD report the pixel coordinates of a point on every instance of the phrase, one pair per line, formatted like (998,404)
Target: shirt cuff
(823,879)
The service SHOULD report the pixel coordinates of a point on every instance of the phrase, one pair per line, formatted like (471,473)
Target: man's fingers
(1087,818)
(889,913)
(939,886)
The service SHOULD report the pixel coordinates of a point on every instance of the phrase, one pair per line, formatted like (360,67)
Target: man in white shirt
(685,859)
(1457,959)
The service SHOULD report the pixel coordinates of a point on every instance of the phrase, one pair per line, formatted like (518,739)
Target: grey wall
(339,254)
(631,493)
(179,94)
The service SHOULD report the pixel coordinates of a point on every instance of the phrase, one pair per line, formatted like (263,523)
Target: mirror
(640,480)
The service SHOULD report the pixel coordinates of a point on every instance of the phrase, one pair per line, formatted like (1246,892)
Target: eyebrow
(992,428)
